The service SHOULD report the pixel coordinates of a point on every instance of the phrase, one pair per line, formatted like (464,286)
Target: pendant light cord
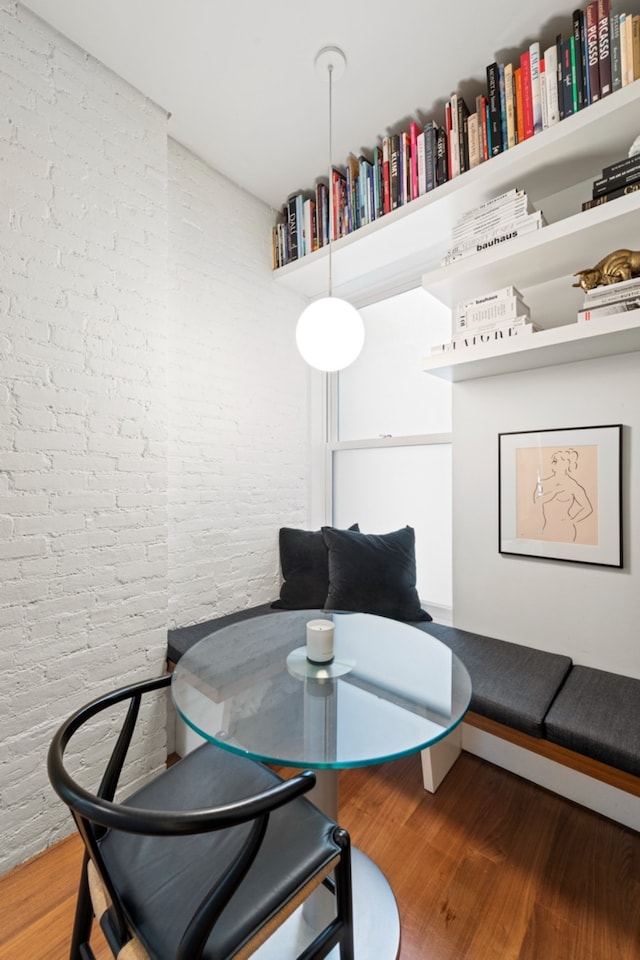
(332,219)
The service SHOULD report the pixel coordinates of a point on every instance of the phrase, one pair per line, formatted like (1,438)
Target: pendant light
(330,331)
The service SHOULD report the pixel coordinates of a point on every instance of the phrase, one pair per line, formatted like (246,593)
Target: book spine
(405,153)
(510,105)
(615,297)
(292,214)
(500,311)
(421,163)
(512,194)
(608,184)
(454,152)
(604,47)
(472,137)
(509,214)
(394,170)
(567,88)
(559,75)
(492,335)
(543,94)
(592,50)
(527,101)
(379,186)
(442,161)
(613,195)
(508,233)
(500,294)
(463,149)
(429,142)
(386,174)
(609,310)
(574,75)
(623,49)
(493,101)
(579,47)
(414,133)
(635,35)
(621,166)
(517,87)
(616,51)
(503,107)
(494,229)
(536,104)
(551,69)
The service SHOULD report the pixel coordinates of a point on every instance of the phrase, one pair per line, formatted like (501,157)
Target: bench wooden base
(553,751)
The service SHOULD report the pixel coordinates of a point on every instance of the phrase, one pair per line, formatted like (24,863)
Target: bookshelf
(393,254)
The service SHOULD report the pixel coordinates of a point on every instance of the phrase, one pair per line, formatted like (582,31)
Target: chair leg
(80,949)
(344,898)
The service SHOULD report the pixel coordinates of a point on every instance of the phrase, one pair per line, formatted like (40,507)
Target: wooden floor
(489,868)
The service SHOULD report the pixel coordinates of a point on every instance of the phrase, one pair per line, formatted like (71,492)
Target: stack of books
(611,299)
(496,317)
(617,180)
(494,222)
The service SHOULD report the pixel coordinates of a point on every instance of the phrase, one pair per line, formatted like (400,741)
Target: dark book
(604,47)
(567,78)
(378,181)
(559,42)
(616,52)
(293,227)
(463,145)
(578,36)
(613,195)
(620,166)
(430,155)
(495,111)
(442,161)
(608,184)
(352,212)
(592,50)
(394,170)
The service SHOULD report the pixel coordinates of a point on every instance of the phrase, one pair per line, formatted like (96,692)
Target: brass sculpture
(616,266)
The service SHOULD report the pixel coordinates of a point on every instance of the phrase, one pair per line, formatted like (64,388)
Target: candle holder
(320,641)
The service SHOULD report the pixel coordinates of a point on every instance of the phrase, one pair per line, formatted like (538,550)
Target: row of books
(496,317)
(600,55)
(610,299)
(493,222)
(617,180)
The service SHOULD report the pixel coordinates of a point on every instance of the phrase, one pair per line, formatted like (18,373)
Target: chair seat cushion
(511,683)
(169,876)
(598,714)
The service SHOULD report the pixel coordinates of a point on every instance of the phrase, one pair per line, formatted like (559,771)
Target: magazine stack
(496,318)
(494,222)
(610,299)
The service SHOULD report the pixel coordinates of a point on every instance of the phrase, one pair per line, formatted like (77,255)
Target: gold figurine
(616,266)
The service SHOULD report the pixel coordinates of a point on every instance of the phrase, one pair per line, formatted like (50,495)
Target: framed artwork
(560,494)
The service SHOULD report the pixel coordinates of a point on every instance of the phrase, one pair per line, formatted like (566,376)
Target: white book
(609,309)
(532,223)
(472,137)
(612,290)
(508,214)
(501,335)
(498,311)
(495,328)
(534,67)
(543,94)
(500,294)
(551,88)
(495,201)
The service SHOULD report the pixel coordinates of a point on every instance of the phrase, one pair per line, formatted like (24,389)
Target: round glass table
(391,690)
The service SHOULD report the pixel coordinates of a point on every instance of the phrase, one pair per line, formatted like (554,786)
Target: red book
(592,50)
(527,98)
(414,133)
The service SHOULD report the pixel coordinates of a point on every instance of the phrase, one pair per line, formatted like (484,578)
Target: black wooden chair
(205,861)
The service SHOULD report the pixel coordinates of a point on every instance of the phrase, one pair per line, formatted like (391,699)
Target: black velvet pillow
(373,573)
(305,569)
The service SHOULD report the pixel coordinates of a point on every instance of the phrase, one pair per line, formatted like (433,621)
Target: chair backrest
(97,813)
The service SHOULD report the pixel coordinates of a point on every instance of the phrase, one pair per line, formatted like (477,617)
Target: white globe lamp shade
(330,334)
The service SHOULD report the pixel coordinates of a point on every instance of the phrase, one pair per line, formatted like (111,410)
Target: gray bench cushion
(598,714)
(182,638)
(511,683)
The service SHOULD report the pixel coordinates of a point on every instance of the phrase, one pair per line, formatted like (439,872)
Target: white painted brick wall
(83,407)
(87,399)
(238,446)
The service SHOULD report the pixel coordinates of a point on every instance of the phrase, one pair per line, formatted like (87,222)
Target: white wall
(94,380)
(238,443)
(590,613)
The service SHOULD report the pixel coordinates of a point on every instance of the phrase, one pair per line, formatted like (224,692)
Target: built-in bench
(585,719)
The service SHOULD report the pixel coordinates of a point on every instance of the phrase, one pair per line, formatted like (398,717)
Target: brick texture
(152,408)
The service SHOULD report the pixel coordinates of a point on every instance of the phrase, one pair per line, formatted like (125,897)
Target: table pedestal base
(376,923)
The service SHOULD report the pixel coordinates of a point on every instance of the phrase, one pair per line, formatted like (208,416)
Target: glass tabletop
(391,690)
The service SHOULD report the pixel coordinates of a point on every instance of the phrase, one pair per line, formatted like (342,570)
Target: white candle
(320,641)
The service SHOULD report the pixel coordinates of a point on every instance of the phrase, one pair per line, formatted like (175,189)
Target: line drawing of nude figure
(563,501)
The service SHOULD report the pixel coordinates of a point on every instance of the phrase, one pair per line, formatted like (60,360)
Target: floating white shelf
(606,337)
(392,254)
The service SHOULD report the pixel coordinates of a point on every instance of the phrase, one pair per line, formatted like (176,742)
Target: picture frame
(560,494)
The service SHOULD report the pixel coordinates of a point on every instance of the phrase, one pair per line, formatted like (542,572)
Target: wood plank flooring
(489,868)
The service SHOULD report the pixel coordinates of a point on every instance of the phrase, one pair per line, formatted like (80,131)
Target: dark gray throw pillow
(374,573)
(305,569)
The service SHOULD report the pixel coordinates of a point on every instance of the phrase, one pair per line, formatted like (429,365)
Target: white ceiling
(238,77)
